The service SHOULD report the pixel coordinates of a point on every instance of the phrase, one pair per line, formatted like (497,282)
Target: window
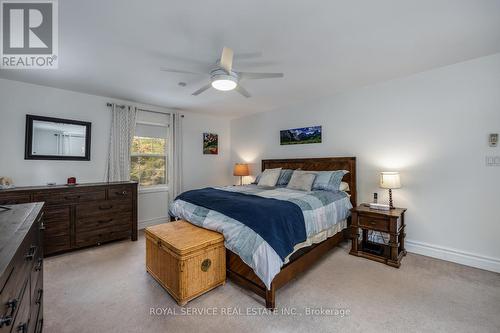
(148,165)
(148,160)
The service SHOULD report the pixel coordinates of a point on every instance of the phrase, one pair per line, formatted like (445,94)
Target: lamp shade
(390,180)
(241,169)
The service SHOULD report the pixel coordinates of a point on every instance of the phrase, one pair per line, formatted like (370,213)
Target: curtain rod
(123,107)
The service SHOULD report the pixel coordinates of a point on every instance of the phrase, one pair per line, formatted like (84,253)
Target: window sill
(153,189)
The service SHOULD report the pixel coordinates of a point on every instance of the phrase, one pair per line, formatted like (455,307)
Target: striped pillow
(283,179)
(328,180)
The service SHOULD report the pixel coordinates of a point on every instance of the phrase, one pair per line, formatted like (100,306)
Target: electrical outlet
(493,161)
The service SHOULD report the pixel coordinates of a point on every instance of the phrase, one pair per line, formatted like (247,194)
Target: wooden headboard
(320,164)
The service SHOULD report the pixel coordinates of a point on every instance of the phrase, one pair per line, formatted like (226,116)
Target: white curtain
(120,142)
(175,156)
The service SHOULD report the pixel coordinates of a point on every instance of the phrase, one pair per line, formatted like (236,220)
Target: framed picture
(210,144)
(298,136)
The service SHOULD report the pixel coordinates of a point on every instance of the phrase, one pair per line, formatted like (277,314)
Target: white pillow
(344,187)
(269,177)
(301,180)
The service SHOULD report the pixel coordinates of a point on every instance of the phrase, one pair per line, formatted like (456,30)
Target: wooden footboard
(242,274)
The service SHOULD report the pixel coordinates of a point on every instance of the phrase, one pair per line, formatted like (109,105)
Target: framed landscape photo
(210,144)
(303,135)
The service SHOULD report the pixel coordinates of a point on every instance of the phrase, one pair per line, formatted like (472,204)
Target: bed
(251,261)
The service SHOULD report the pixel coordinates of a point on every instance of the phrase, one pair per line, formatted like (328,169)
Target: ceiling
(115,48)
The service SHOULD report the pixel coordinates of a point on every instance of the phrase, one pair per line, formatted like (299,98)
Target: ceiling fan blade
(171,70)
(226,59)
(242,91)
(256,76)
(202,89)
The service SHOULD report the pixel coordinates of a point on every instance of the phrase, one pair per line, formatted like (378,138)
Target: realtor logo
(29,34)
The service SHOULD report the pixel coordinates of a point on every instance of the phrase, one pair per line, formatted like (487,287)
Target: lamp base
(391,206)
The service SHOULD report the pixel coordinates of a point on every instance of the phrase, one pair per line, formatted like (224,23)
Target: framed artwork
(210,144)
(298,136)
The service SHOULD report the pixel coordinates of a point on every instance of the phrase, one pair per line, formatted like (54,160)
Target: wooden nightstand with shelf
(390,222)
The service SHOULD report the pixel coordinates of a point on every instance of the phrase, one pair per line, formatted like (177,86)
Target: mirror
(56,139)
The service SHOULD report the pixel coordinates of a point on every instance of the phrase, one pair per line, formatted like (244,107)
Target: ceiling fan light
(224,84)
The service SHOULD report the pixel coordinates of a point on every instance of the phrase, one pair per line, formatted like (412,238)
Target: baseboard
(147,223)
(459,257)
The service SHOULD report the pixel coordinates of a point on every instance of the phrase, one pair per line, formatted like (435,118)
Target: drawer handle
(373,222)
(122,193)
(38,267)
(105,207)
(105,221)
(42,226)
(205,265)
(75,197)
(31,253)
(22,328)
(40,294)
(7,319)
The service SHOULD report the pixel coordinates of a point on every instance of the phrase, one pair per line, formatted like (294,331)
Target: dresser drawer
(104,221)
(14,295)
(56,244)
(103,209)
(62,197)
(36,301)
(374,223)
(22,319)
(14,198)
(102,235)
(57,221)
(120,193)
(10,296)
(36,306)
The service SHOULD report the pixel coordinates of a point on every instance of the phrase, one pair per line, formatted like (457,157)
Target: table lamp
(241,169)
(390,180)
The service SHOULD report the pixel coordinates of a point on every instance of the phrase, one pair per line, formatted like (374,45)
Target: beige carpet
(107,289)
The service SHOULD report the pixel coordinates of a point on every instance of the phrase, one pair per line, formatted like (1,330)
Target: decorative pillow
(284,178)
(344,187)
(329,180)
(301,180)
(269,177)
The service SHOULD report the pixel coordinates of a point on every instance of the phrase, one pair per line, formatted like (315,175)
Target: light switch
(493,139)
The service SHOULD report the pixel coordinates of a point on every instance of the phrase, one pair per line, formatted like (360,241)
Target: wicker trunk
(186,260)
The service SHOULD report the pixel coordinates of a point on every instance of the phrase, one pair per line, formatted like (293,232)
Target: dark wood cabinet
(81,215)
(21,268)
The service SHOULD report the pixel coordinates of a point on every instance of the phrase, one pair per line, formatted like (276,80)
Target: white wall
(18,99)
(433,127)
(203,170)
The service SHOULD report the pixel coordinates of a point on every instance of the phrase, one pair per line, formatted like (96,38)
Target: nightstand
(390,222)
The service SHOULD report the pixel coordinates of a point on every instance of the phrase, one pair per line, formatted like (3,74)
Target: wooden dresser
(81,215)
(21,269)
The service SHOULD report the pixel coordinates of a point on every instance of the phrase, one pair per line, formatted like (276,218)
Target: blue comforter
(280,223)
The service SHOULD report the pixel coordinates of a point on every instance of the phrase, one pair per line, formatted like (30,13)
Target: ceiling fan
(223,77)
